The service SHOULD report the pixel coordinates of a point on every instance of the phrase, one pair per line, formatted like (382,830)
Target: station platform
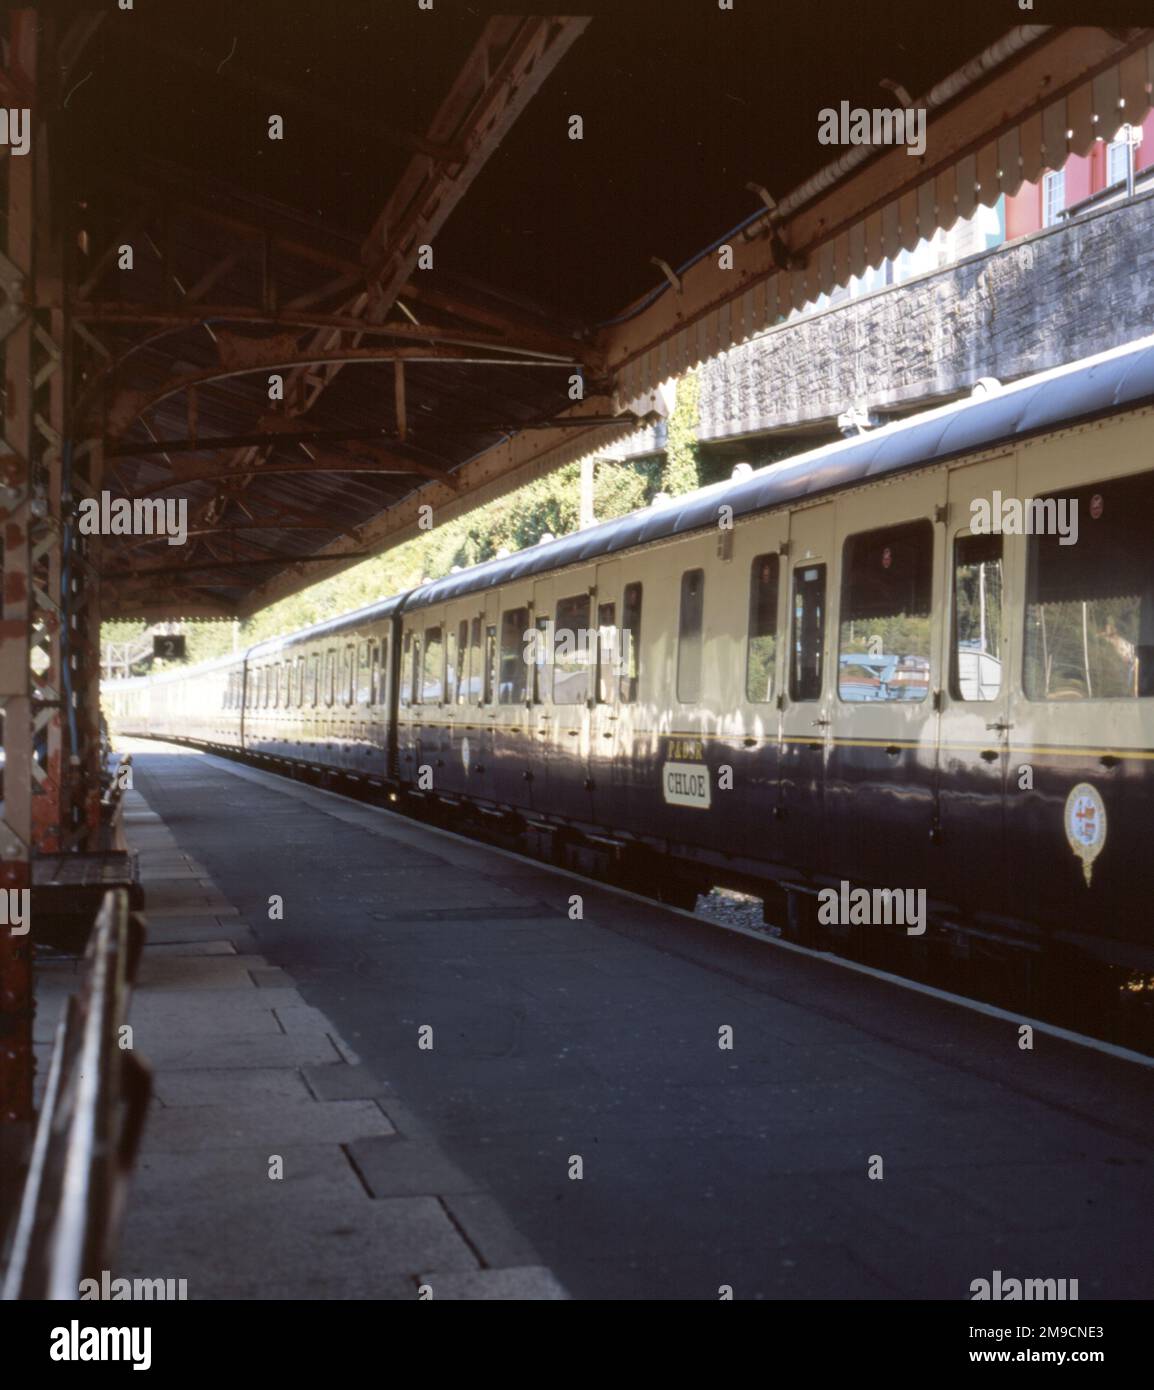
(570,1127)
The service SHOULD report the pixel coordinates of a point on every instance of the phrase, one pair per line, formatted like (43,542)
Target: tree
(682,473)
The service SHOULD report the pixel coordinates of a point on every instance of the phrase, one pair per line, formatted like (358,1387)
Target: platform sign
(168,646)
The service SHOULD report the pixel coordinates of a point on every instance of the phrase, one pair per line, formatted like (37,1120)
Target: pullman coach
(835,669)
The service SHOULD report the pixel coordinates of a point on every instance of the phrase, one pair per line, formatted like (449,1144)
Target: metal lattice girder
(17,233)
(47,616)
(12,305)
(507,66)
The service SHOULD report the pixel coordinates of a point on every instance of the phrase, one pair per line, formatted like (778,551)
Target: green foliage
(682,471)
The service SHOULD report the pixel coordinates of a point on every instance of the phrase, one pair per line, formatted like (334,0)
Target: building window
(1118,159)
(1053,197)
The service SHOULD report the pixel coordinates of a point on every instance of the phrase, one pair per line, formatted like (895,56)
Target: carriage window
(609,664)
(761,652)
(375,672)
(976,647)
(490,661)
(807,652)
(415,670)
(1090,593)
(349,675)
(432,682)
(365,672)
(331,658)
(463,689)
(542,667)
(450,665)
(887,586)
(314,683)
(478,690)
(571,651)
(630,639)
(514,625)
(689,636)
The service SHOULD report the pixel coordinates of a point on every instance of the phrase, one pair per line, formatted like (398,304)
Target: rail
(90,1120)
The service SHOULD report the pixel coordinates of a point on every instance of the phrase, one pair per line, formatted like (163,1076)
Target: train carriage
(855,665)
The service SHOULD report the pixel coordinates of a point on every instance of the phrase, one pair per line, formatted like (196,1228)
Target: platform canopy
(281,351)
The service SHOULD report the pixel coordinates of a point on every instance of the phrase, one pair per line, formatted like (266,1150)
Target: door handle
(819,723)
(999,727)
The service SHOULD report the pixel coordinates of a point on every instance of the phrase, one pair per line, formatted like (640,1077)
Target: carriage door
(542,725)
(974,746)
(807,701)
(611,666)
(479,756)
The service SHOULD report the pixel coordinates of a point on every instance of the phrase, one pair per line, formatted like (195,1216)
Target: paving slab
(242,1121)
(344,1082)
(320,1248)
